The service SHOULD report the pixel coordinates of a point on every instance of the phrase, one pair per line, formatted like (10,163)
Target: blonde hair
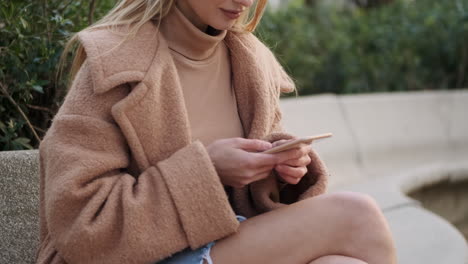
(135,13)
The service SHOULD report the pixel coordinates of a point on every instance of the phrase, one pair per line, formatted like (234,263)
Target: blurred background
(328,46)
(388,78)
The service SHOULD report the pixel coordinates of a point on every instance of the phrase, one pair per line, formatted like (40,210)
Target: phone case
(294,143)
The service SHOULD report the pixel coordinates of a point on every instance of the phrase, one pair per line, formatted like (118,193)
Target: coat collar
(186,39)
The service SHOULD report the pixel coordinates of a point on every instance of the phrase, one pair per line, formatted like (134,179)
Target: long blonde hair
(135,13)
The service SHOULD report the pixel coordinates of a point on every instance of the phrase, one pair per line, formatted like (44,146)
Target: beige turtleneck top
(204,69)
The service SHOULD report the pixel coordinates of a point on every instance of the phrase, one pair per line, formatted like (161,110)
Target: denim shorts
(188,256)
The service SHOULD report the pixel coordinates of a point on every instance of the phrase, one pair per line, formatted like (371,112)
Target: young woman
(154,157)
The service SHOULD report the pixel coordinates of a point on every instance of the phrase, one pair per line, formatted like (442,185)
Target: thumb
(253,145)
(280,142)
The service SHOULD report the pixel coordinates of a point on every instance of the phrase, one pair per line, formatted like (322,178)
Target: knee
(356,203)
(358,211)
(362,217)
(358,222)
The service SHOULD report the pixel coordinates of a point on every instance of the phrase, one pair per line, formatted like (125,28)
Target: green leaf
(38,88)
(24,142)
(24,23)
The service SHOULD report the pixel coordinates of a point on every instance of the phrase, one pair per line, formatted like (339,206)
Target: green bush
(406,45)
(32,36)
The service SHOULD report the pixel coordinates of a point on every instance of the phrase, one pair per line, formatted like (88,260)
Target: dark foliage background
(400,45)
(32,36)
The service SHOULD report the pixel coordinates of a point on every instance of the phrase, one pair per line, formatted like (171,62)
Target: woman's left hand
(295,167)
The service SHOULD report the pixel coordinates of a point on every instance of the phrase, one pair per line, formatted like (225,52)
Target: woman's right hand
(238,162)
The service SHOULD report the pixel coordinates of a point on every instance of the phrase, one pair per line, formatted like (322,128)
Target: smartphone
(296,142)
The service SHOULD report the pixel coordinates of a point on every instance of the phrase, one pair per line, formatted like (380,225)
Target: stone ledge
(378,133)
(387,145)
(420,235)
(391,191)
(19,210)
(423,237)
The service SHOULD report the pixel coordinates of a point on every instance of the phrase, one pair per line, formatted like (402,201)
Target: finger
(264,169)
(261,171)
(262,175)
(296,172)
(302,161)
(260,160)
(294,153)
(290,180)
(254,145)
(253,177)
(279,142)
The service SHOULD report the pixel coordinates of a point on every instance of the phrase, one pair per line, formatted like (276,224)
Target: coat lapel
(153,117)
(251,86)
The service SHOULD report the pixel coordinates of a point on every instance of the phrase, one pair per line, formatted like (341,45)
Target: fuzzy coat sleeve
(98,211)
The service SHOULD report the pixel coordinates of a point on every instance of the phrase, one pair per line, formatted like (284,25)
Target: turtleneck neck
(185,38)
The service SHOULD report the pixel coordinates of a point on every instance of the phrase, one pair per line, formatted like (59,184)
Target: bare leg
(345,224)
(337,260)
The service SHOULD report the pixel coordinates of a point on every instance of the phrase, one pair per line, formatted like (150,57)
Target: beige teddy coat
(121,179)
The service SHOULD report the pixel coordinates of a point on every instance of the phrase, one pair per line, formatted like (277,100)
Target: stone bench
(19,206)
(385,145)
